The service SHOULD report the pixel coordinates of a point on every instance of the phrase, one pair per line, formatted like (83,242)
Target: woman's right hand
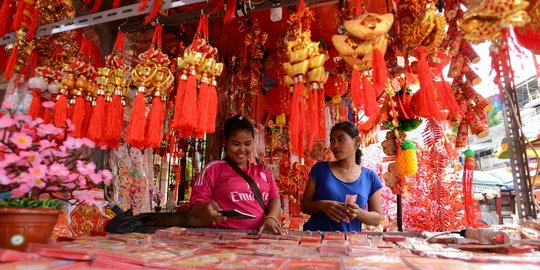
(334,210)
(212,209)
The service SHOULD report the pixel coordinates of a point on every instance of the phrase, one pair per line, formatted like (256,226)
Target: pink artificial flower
(37,171)
(107,177)
(72,143)
(6,121)
(85,169)
(37,182)
(6,105)
(87,142)
(48,104)
(53,188)
(48,129)
(70,126)
(23,118)
(95,178)
(31,156)
(59,170)
(21,140)
(20,191)
(4,179)
(46,144)
(36,122)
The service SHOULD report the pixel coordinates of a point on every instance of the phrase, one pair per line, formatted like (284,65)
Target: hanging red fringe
(35,106)
(425,102)
(88,111)
(446,98)
(380,71)
(4,17)
(95,7)
(189,107)
(371,106)
(17,20)
(229,11)
(154,11)
(119,43)
(135,130)
(179,102)
(294,120)
(355,88)
(313,118)
(203,108)
(12,61)
(154,123)
(213,109)
(471,209)
(322,115)
(142,5)
(34,24)
(115,122)
(60,111)
(301,116)
(78,117)
(97,124)
(46,115)
(115,3)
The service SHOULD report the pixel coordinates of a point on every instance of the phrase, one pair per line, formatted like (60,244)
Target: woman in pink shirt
(219,187)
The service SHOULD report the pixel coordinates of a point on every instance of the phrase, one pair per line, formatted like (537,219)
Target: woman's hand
(271,224)
(334,210)
(212,210)
(353,210)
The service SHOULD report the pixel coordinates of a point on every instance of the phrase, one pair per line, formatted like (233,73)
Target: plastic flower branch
(39,160)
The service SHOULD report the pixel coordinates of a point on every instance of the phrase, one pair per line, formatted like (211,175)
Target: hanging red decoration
(277,100)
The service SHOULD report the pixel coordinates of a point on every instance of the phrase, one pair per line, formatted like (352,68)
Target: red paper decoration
(335,85)
(277,100)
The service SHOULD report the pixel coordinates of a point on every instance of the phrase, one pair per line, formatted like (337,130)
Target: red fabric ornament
(528,37)
(115,3)
(34,24)
(277,100)
(179,101)
(4,17)
(356,93)
(12,61)
(78,117)
(95,7)
(96,127)
(380,71)
(229,11)
(35,106)
(135,129)
(335,85)
(371,106)
(60,111)
(424,101)
(115,122)
(154,11)
(203,109)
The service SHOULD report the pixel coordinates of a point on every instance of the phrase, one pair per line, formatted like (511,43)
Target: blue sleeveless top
(329,187)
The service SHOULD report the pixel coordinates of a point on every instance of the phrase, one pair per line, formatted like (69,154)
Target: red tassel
(301,117)
(17,21)
(203,107)
(312,118)
(88,111)
(78,117)
(380,71)
(154,11)
(95,7)
(425,102)
(179,102)
(115,122)
(12,61)
(142,5)
(322,115)
(60,111)
(229,11)
(359,9)
(371,106)
(294,120)
(154,123)
(213,109)
(119,44)
(46,115)
(135,130)
(189,107)
(4,17)
(35,106)
(98,122)
(355,88)
(115,3)
(33,25)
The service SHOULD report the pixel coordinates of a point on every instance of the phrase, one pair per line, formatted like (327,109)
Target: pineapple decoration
(305,64)
(406,163)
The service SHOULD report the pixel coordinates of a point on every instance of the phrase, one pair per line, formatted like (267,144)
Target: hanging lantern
(335,88)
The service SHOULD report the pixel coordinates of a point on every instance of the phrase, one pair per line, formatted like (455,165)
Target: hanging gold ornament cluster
(483,21)
(428,29)
(195,113)
(305,65)
(152,77)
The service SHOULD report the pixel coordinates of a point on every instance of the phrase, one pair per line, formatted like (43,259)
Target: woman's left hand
(353,210)
(271,225)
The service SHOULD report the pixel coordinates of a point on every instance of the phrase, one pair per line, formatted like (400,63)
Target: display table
(183,248)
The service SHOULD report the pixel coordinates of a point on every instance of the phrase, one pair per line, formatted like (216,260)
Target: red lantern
(277,100)
(335,86)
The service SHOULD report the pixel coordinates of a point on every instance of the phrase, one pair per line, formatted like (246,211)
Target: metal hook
(122,24)
(205,6)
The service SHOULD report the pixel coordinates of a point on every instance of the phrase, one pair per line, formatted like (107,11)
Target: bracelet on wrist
(273,218)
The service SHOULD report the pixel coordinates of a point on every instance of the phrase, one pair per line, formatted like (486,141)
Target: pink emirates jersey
(219,182)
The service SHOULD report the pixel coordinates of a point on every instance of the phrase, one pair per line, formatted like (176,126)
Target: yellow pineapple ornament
(406,163)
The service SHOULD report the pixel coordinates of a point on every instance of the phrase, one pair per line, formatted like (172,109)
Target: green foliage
(31,203)
(494,117)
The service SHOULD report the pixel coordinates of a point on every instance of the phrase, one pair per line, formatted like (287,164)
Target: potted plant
(40,166)
(156,196)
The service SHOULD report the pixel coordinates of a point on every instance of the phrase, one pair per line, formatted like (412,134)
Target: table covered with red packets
(183,248)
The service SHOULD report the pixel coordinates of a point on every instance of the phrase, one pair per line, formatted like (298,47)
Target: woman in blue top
(330,182)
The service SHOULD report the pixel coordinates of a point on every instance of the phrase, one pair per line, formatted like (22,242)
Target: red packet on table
(8,255)
(303,264)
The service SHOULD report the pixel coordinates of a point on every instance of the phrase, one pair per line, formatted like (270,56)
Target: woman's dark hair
(352,131)
(236,123)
